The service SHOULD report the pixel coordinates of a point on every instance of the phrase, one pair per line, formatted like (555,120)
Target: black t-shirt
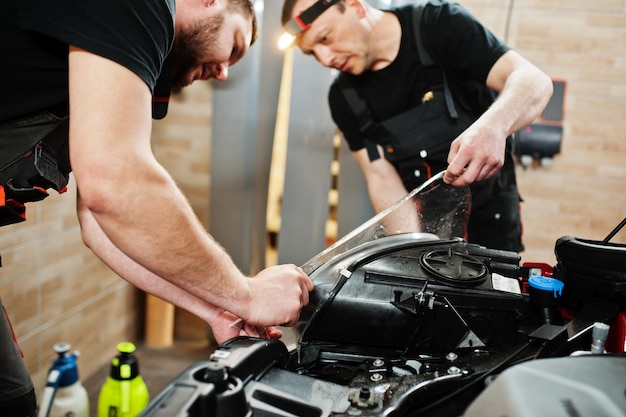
(461,46)
(137,34)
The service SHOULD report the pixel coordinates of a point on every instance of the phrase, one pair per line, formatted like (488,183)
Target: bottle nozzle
(599,334)
(126,347)
(61,348)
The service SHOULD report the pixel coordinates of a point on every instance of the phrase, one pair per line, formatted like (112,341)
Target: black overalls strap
(163,90)
(433,73)
(372,131)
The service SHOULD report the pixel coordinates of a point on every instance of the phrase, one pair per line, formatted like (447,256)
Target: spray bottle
(124,394)
(64,395)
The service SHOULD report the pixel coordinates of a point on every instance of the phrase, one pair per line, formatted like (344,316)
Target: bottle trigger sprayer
(63,394)
(124,394)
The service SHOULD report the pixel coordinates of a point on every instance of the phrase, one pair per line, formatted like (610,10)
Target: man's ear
(358,6)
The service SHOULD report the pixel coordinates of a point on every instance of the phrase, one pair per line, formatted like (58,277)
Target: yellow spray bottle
(124,394)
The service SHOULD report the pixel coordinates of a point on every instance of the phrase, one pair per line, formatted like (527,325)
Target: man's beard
(191,45)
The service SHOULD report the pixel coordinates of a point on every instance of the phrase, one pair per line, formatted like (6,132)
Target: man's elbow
(97,192)
(544,88)
(86,222)
(547,86)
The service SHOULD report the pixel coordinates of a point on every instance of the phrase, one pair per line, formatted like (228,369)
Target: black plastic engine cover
(403,295)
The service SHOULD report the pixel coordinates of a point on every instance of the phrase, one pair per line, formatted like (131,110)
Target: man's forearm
(525,95)
(384,193)
(166,239)
(137,275)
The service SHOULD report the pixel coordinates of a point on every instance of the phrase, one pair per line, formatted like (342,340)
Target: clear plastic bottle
(64,395)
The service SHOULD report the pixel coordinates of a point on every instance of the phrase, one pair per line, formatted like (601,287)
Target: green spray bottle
(124,394)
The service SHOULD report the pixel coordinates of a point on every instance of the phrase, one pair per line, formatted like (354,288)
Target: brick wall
(55,290)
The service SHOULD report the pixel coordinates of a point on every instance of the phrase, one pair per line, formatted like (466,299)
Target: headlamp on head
(303,21)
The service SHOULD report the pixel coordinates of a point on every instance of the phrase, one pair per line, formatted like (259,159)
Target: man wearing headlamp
(476,93)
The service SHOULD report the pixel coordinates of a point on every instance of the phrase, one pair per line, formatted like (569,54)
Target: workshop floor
(158,367)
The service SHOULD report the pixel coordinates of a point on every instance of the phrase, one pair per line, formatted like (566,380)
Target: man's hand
(278,293)
(477,154)
(227,326)
(523,92)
